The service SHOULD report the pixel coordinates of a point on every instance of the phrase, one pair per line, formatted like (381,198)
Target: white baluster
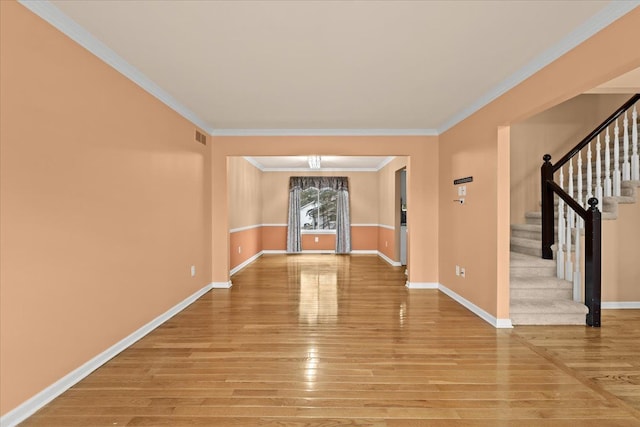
(635,162)
(561,232)
(589,177)
(599,174)
(568,266)
(577,279)
(626,167)
(607,162)
(579,182)
(616,160)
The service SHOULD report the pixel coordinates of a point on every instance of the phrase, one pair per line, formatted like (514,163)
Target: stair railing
(573,215)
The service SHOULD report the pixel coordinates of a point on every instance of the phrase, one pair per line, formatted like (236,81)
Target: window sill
(317,231)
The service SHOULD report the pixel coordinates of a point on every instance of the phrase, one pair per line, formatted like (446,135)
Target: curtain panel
(343,222)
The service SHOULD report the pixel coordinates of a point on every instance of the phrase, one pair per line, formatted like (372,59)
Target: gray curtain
(343,221)
(293,222)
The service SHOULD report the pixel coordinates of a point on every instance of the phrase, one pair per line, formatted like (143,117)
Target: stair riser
(532,271)
(533,293)
(547,319)
(533,235)
(526,250)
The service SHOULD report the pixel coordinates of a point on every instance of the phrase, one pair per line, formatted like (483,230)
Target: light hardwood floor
(324,340)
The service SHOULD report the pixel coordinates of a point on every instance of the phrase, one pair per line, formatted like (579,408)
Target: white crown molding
(65,24)
(385,162)
(274,225)
(77,33)
(605,17)
(365,225)
(324,132)
(620,305)
(319,170)
(29,407)
(262,168)
(492,320)
(254,162)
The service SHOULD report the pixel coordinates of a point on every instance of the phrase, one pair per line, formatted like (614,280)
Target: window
(318,209)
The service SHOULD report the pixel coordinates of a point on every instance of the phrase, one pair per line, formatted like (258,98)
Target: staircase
(538,296)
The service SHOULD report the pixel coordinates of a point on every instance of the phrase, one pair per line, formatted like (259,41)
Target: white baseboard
(495,322)
(364,252)
(389,260)
(319,251)
(422,285)
(620,305)
(274,251)
(29,407)
(239,267)
(221,285)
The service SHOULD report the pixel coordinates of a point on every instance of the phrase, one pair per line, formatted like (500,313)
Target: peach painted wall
(244,244)
(469,234)
(364,238)
(326,242)
(389,208)
(620,254)
(387,242)
(245,210)
(274,237)
(104,205)
(554,131)
(245,193)
(423,169)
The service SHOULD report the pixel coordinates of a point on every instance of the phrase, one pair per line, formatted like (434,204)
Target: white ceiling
(317,67)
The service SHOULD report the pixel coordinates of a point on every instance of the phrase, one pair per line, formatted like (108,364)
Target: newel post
(593,263)
(546,174)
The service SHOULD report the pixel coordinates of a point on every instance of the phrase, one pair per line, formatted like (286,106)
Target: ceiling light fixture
(314,162)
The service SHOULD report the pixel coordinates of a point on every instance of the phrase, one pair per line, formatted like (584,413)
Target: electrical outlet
(316,239)
(386,244)
(462,190)
(239,249)
(462,272)
(457,270)
(193,271)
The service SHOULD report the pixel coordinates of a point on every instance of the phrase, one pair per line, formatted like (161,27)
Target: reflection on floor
(325,340)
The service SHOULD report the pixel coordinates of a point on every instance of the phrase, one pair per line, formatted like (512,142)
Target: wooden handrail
(596,131)
(573,204)
(592,216)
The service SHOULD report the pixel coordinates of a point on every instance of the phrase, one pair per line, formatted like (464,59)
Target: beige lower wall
(104,206)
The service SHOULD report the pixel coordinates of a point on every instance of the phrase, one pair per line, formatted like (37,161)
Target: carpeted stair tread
(540,283)
(547,306)
(522,260)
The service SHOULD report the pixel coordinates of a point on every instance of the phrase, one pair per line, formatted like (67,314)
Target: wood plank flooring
(324,340)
